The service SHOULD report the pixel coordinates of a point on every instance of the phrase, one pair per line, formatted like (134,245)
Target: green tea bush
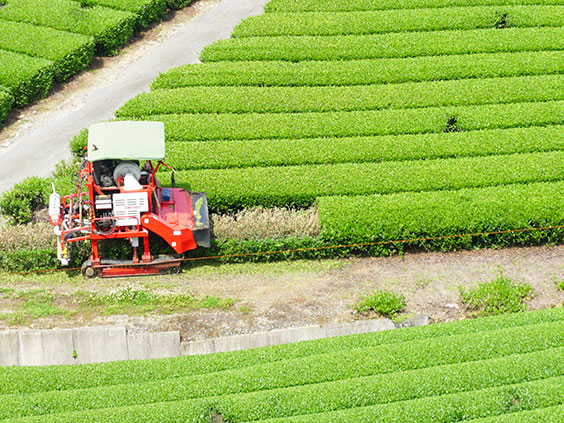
(363,72)
(28,260)
(178,4)
(285,152)
(232,189)
(485,392)
(385,303)
(28,78)
(464,92)
(6,102)
(236,126)
(399,20)
(409,44)
(496,401)
(445,213)
(147,11)
(545,415)
(501,295)
(490,359)
(110,28)
(346,5)
(26,197)
(69,52)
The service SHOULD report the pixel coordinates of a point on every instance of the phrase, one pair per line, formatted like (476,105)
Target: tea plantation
(507,368)
(43,41)
(397,119)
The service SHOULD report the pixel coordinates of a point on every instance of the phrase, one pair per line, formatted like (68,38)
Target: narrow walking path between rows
(34,144)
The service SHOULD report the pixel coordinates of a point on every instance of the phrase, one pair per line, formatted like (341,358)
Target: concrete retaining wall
(113,343)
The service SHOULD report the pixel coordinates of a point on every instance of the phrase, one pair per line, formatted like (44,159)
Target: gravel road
(33,147)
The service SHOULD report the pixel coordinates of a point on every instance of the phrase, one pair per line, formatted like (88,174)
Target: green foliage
(385,303)
(78,143)
(443,213)
(360,97)
(28,78)
(28,260)
(32,194)
(69,52)
(347,5)
(202,127)
(6,102)
(313,384)
(110,28)
(501,295)
(26,197)
(408,44)
(147,11)
(399,20)
(284,152)
(230,189)
(178,4)
(560,285)
(363,72)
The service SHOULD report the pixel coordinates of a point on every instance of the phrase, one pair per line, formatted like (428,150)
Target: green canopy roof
(126,140)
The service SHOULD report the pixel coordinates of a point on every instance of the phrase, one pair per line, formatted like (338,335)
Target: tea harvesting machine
(118,196)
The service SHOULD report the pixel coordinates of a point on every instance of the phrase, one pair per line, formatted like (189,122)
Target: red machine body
(118,199)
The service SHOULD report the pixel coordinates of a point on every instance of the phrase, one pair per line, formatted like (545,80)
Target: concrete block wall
(113,343)
(83,345)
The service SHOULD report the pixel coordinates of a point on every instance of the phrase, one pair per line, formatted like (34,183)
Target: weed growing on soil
(31,305)
(384,303)
(139,301)
(499,296)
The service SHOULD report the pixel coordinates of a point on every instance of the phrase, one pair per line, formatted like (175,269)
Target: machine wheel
(88,271)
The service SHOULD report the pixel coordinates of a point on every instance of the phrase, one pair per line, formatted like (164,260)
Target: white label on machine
(129,206)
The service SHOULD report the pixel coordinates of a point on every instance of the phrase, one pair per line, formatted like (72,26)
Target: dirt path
(290,294)
(38,137)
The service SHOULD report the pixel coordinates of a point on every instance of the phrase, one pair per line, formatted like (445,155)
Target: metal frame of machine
(115,198)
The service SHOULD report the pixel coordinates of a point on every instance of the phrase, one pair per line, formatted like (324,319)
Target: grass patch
(139,301)
(499,296)
(384,303)
(31,305)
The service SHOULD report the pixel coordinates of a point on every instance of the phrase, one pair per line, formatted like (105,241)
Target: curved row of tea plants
(355,5)
(362,72)
(374,22)
(464,92)
(482,368)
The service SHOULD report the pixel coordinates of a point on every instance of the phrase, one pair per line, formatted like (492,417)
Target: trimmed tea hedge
(545,415)
(435,214)
(347,5)
(6,102)
(410,44)
(375,22)
(360,97)
(110,28)
(202,127)
(504,400)
(28,78)
(336,403)
(147,11)
(487,359)
(69,52)
(299,186)
(284,152)
(363,72)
